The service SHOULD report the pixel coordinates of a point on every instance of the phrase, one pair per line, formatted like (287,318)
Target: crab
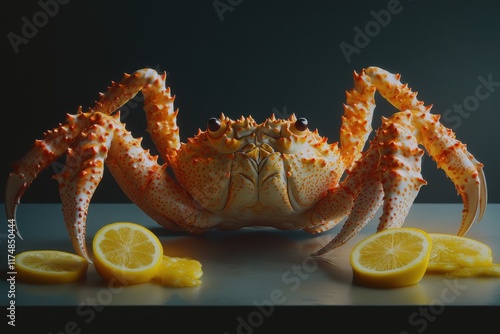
(240,173)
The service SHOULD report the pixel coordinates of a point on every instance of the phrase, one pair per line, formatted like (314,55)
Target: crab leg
(356,127)
(80,177)
(389,171)
(365,199)
(357,119)
(105,139)
(389,174)
(158,104)
(56,141)
(450,154)
(93,137)
(459,165)
(42,154)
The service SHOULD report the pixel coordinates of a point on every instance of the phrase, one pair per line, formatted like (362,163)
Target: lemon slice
(179,272)
(127,252)
(391,258)
(450,252)
(50,266)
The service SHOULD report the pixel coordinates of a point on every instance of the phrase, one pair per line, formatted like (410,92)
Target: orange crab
(240,173)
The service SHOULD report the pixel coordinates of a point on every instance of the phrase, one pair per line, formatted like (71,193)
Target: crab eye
(213,124)
(301,124)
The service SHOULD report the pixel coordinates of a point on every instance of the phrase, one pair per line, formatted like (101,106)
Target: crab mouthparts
(258,153)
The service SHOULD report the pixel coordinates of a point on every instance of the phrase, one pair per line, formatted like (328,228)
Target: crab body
(240,173)
(253,174)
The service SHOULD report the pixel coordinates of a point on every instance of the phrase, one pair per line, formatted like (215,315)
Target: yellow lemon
(50,266)
(450,252)
(127,252)
(179,272)
(391,258)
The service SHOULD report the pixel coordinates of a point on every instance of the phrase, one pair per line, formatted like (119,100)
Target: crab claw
(473,191)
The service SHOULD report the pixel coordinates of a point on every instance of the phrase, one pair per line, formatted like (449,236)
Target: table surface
(250,266)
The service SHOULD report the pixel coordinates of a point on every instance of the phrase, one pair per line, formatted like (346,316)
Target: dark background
(263,57)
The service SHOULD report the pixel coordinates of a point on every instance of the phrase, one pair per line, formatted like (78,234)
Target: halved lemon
(451,252)
(50,266)
(127,252)
(179,272)
(391,258)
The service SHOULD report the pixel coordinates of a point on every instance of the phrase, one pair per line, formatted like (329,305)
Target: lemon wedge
(391,258)
(127,252)
(50,267)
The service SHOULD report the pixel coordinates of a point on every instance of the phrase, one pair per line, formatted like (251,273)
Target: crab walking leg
(459,165)
(450,154)
(80,177)
(357,119)
(149,185)
(356,127)
(44,152)
(163,200)
(145,182)
(389,174)
(158,104)
(399,168)
(368,194)
(398,94)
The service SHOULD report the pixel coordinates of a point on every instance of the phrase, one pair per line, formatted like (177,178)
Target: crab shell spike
(70,118)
